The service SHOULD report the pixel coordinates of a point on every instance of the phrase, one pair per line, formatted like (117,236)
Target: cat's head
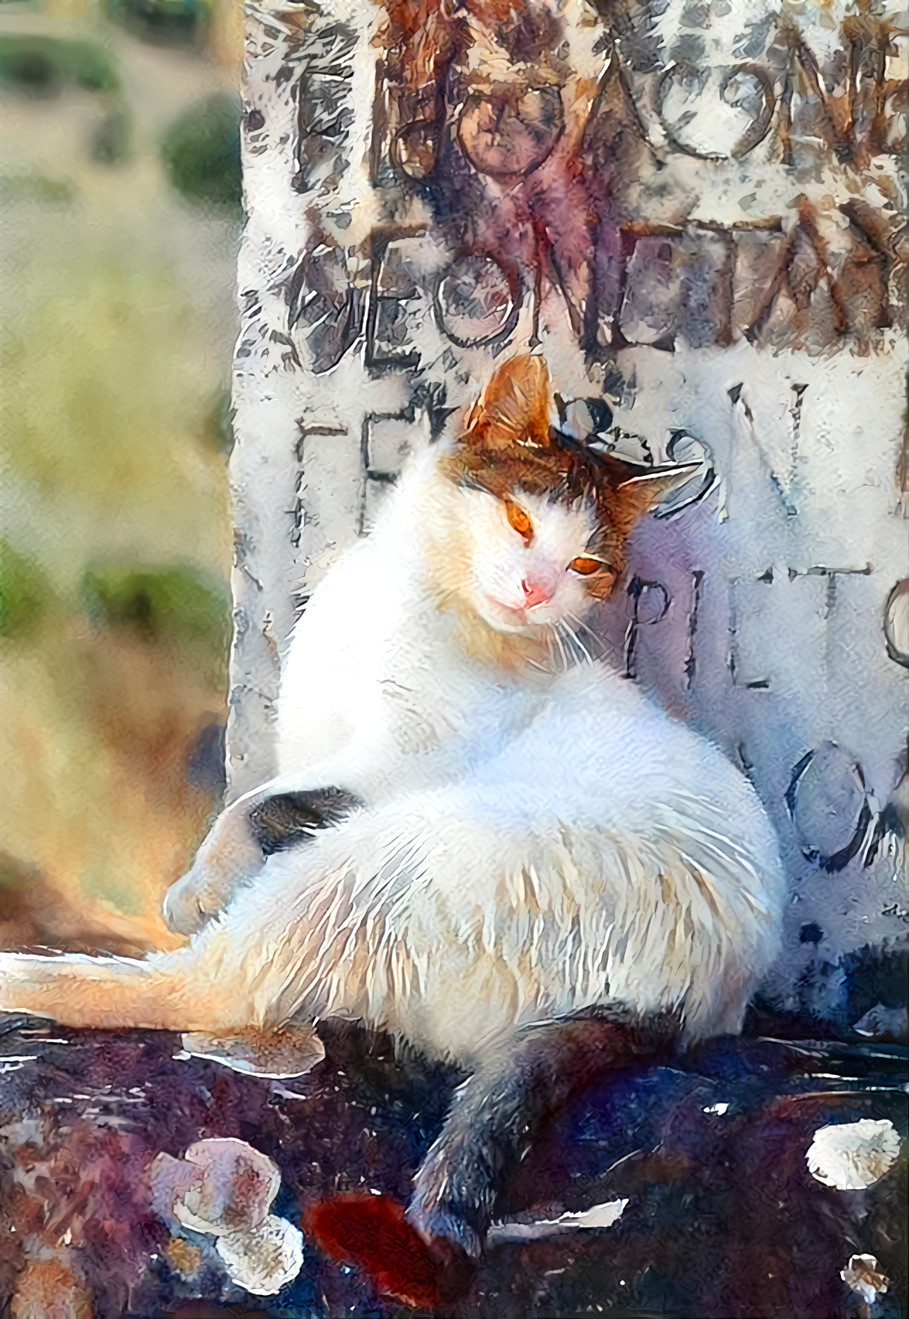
(540,522)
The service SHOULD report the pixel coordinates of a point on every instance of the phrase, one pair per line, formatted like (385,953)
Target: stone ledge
(723,1217)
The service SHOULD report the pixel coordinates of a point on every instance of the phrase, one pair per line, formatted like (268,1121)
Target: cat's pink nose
(536,593)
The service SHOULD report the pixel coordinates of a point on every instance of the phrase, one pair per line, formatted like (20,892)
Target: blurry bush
(115,338)
(179,603)
(35,187)
(201,152)
(115,616)
(25,592)
(43,66)
(164,21)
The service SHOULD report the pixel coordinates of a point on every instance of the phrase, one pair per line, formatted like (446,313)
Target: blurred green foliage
(219,424)
(201,152)
(106,385)
(162,20)
(115,336)
(42,66)
(107,395)
(177,601)
(36,187)
(25,591)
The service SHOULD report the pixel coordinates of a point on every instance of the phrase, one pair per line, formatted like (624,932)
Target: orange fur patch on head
(510,443)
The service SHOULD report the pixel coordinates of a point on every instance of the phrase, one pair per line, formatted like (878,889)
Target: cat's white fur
(536,838)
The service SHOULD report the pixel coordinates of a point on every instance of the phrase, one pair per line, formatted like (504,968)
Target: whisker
(555,647)
(565,648)
(597,649)
(586,656)
(557,636)
(572,645)
(571,641)
(585,627)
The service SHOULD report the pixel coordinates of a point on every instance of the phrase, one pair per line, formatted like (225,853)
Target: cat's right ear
(514,409)
(638,489)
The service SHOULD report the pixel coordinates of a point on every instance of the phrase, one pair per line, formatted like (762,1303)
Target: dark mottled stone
(723,1220)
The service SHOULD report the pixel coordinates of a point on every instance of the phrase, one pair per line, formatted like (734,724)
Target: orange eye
(586,566)
(519,520)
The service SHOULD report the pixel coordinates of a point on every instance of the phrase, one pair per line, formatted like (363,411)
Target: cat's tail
(158,993)
(422,1256)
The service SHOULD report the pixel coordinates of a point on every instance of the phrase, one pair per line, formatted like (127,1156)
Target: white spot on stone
(853,1155)
(863,1275)
(264,1260)
(597,1216)
(219,1186)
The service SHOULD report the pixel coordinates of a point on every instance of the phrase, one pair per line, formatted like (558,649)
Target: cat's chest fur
(433,694)
(377,679)
(424,711)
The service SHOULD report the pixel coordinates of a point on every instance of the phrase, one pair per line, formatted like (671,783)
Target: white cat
(512,839)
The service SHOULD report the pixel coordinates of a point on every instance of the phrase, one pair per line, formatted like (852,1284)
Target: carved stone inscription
(695,211)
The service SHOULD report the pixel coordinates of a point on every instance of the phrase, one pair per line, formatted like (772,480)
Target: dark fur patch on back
(293,817)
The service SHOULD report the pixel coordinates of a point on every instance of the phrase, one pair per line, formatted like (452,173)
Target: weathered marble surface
(696,211)
(723,1218)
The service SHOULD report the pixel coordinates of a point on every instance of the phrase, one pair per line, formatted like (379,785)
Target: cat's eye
(519,520)
(586,566)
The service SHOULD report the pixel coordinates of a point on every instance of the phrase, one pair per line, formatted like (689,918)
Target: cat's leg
(289,946)
(232,975)
(216,1015)
(161,992)
(284,820)
(243,991)
(277,815)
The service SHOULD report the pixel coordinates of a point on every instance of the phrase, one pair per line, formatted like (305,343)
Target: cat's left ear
(514,408)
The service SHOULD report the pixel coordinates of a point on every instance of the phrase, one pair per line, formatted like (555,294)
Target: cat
(479,839)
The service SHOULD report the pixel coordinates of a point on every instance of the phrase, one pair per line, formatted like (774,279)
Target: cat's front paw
(228,858)
(182,911)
